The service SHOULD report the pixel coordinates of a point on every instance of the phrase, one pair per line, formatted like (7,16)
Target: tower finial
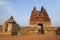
(34,8)
(42,8)
(11,17)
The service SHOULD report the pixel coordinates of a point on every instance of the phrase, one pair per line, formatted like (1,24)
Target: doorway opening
(40,28)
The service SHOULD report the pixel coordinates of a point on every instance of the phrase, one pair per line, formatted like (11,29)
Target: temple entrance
(40,28)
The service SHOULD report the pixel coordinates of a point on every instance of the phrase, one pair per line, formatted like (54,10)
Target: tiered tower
(40,18)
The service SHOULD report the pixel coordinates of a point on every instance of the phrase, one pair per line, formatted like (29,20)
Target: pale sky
(21,10)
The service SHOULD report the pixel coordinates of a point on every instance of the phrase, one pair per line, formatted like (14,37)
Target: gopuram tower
(40,19)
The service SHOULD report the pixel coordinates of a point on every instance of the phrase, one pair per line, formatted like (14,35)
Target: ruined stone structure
(10,27)
(41,20)
(40,23)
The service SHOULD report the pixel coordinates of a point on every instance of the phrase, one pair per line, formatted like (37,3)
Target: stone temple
(10,27)
(40,18)
(40,23)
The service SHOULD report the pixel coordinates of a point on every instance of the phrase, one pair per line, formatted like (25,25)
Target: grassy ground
(30,37)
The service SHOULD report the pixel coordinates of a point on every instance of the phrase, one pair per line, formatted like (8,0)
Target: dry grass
(30,37)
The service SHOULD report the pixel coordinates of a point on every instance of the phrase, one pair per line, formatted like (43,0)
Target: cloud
(6,5)
(6,10)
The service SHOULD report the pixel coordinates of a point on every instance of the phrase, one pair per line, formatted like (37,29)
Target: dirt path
(30,37)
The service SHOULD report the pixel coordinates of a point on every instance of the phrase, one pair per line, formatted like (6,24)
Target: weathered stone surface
(39,17)
(10,26)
